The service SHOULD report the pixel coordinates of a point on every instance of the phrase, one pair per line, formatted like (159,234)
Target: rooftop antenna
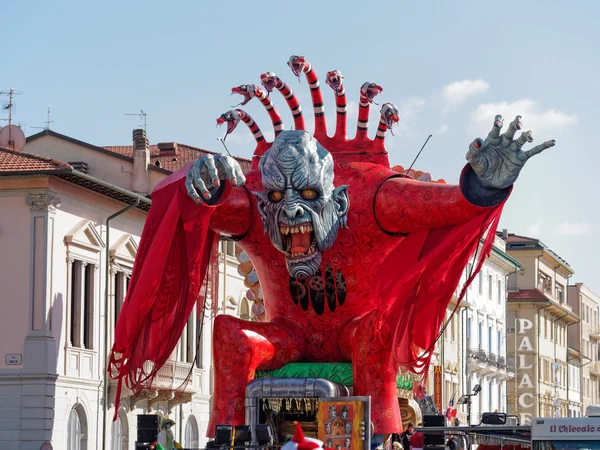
(11,93)
(141,115)
(47,122)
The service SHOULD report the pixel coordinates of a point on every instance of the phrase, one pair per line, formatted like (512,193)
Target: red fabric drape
(175,268)
(424,271)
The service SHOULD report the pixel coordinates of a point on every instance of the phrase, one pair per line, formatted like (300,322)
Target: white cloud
(442,129)
(534,117)
(535,229)
(456,93)
(574,229)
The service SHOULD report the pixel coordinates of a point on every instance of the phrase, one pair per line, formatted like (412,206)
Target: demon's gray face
(300,208)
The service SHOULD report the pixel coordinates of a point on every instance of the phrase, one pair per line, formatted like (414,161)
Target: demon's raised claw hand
(498,160)
(206,174)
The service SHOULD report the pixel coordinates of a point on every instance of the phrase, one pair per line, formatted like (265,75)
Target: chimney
(141,159)
(505,234)
(168,148)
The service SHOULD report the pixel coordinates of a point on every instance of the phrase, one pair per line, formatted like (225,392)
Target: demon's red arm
(403,205)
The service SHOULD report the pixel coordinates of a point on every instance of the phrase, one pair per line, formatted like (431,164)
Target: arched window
(120,433)
(191,433)
(77,429)
(244,309)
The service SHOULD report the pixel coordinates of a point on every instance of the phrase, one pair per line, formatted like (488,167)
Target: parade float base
(340,372)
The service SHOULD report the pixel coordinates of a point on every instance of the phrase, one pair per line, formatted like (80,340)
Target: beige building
(583,339)
(538,322)
(55,242)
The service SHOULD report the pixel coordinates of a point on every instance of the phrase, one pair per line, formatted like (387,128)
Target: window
(480,279)
(468,328)
(81,303)
(120,434)
(544,283)
(500,352)
(229,248)
(490,286)
(120,284)
(499,289)
(77,429)
(560,291)
(490,340)
(191,433)
(480,335)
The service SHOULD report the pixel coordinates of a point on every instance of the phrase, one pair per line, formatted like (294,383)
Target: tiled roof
(13,161)
(512,238)
(175,158)
(526,294)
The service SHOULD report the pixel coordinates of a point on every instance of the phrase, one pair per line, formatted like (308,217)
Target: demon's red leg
(372,376)
(239,348)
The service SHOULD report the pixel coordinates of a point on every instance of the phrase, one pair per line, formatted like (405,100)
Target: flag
(451,411)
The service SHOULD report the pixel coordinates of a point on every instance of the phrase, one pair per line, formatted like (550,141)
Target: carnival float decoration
(356,261)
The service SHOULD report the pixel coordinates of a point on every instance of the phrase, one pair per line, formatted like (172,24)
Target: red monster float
(357,262)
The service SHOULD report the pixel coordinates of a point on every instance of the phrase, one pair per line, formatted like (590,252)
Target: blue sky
(448,66)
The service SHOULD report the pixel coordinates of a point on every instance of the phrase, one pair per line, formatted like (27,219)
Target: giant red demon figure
(356,261)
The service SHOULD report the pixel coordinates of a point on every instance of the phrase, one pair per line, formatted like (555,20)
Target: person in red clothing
(417,441)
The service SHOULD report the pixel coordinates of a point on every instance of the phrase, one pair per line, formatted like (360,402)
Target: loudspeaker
(264,434)
(242,435)
(148,421)
(147,428)
(488,418)
(433,439)
(223,434)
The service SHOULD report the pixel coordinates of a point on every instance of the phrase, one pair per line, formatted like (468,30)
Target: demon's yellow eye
(244,87)
(308,194)
(276,196)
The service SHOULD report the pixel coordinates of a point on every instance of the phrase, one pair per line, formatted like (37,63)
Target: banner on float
(344,423)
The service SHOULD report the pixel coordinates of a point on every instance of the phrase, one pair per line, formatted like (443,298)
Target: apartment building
(538,321)
(57,195)
(583,341)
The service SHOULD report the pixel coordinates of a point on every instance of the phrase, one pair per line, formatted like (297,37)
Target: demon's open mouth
(299,240)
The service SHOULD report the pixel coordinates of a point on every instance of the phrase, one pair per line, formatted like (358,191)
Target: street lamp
(466,400)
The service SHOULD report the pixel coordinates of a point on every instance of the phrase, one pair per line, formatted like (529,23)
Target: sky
(450,67)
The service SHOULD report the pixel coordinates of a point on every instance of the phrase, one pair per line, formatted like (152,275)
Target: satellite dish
(12,137)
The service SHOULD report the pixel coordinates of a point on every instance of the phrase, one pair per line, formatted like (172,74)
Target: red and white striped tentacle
(381,129)
(273,113)
(362,127)
(335,80)
(292,102)
(389,117)
(249,121)
(317,99)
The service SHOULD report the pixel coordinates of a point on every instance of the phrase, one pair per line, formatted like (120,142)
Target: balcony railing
(480,356)
(595,368)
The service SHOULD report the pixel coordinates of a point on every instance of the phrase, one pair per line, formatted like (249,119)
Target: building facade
(473,349)
(58,194)
(583,340)
(538,321)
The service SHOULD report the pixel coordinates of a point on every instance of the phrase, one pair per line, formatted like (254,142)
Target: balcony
(482,362)
(595,368)
(175,383)
(595,332)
